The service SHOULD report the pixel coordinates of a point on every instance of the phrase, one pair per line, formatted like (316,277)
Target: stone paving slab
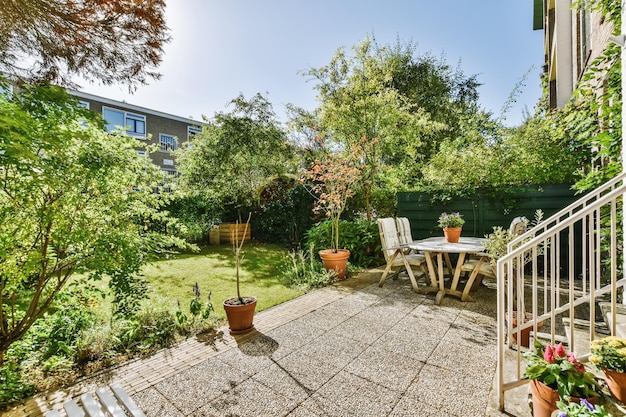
(350,349)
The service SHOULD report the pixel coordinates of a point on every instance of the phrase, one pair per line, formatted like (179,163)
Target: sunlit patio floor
(353,349)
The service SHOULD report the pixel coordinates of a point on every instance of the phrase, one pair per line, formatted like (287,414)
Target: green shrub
(150,330)
(303,270)
(13,386)
(359,236)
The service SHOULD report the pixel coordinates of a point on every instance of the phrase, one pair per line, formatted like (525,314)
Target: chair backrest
(404,230)
(388,236)
(518,226)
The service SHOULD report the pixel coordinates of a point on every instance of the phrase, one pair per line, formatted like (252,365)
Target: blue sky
(223,48)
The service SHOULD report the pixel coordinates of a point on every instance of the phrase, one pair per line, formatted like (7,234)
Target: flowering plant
(561,371)
(582,409)
(451,220)
(609,353)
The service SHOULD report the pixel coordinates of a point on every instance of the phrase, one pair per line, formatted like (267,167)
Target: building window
(133,124)
(192,131)
(84,104)
(168,142)
(168,162)
(141,153)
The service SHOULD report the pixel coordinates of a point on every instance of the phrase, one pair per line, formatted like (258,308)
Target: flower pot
(545,399)
(240,315)
(525,334)
(335,261)
(452,234)
(617,383)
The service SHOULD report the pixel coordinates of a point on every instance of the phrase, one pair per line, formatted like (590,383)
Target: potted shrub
(333,176)
(609,355)
(557,375)
(240,310)
(582,409)
(452,224)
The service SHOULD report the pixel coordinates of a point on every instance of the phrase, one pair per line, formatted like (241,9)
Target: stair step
(620,318)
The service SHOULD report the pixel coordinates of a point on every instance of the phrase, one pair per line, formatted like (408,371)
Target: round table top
(439,244)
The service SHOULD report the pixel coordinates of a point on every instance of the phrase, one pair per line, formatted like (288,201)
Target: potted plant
(452,224)
(557,375)
(333,176)
(240,310)
(582,409)
(609,355)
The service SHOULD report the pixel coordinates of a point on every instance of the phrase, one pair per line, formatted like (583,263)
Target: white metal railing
(557,274)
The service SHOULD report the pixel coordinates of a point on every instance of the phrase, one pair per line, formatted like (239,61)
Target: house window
(133,124)
(84,104)
(168,142)
(168,162)
(141,153)
(192,131)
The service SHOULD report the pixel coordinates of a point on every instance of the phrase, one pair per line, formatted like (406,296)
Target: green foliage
(73,199)
(196,213)
(582,409)
(609,353)
(13,386)
(561,371)
(199,313)
(400,103)
(236,155)
(360,236)
(303,270)
(147,332)
(450,220)
(285,215)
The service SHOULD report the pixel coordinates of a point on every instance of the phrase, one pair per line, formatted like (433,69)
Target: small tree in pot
(240,310)
(333,176)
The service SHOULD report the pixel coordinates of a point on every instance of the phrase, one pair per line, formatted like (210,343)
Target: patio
(349,349)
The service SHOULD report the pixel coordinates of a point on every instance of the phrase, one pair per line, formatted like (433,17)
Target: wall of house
(156,125)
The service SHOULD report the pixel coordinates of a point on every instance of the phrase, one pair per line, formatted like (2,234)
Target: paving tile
(284,382)
(195,387)
(154,404)
(333,349)
(308,372)
(412,407)
(249,399)
(360,328)
(457,393)
(385,368)
(348,394)
(293,335)
(410,344)
(456,356)
(251,357)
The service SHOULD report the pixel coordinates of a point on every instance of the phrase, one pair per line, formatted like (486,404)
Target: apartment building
(573,37)
(166,130)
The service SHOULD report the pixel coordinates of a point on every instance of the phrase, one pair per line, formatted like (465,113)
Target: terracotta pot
(335,261)
(525,334)
(545,399)
(240,316)
(452,234)
(617,383)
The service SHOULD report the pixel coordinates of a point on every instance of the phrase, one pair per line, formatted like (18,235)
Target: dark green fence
(482,212)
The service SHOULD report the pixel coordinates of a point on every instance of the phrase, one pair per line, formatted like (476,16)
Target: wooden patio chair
(517,227)
(395,256)
(404,233)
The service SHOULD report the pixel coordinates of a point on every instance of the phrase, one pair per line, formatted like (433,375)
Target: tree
(237,154)
(111,41)
(72,199)
(401,102)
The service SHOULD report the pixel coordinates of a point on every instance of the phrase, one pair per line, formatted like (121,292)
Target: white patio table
(439,247)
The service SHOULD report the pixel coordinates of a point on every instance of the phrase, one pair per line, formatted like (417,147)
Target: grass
(213,268)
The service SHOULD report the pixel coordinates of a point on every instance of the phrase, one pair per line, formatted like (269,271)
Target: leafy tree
(400,102)
(237,154)
(72,199)
(111,41)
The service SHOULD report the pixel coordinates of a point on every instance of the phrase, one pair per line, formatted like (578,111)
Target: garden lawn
(213,268)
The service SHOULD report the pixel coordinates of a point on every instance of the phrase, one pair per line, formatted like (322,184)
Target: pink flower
(548,355)
(559,350)
(572,358)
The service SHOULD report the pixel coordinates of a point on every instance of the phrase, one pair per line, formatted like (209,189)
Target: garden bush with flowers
(582,409)
(561,371)
(609,353)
